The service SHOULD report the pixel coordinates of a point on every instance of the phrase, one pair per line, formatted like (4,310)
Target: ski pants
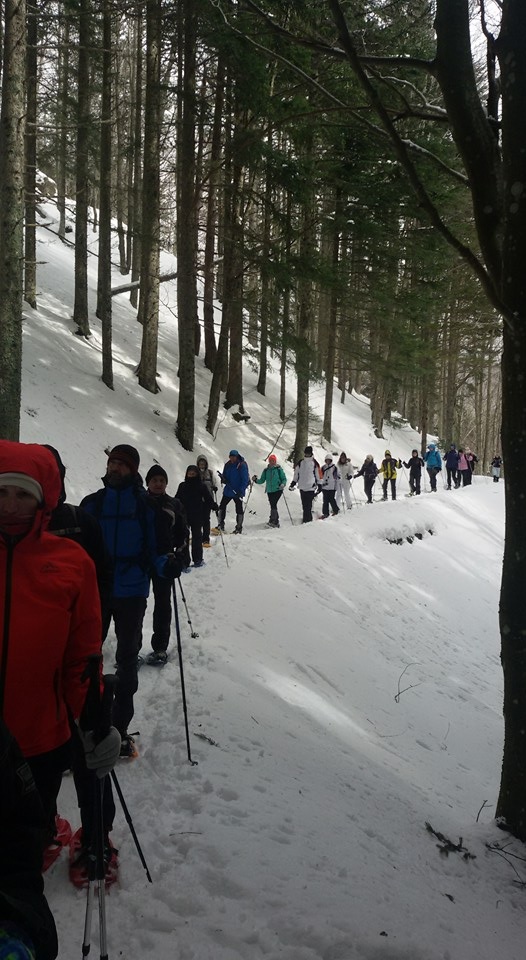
(414,483)
(196,531)
(273,503)
(466,477)
(222,511)
(162,613)
(47,769)
(385,483)
(307,498)
(344,490)
(433,473)
(368,484)
(451,476)
(329,501)
(128,615)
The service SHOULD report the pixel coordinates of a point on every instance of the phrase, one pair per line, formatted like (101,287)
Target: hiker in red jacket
(51,623)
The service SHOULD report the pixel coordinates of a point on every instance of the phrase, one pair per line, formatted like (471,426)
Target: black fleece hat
(128,454)
(156,471)
(308,451)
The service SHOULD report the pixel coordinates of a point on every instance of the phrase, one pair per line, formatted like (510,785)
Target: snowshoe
(81,859)
(206,543)
(200,563)
(217,531)
(157,658)
(63,833)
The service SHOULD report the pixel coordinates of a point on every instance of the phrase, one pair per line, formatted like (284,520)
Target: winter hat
(25,482)
(387,453)
(156,471)
(233,453)
(308,451)
(272,458)
(414,451)
(128,454)
(369,456)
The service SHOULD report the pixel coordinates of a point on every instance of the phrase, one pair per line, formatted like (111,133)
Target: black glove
(318,490)
(255,478)
(220,475)
(215,508)
(214,489)
(173,567)
(292,485)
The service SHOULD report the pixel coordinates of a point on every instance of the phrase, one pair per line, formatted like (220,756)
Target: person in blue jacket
(128,526)
(235,479)
(433,462)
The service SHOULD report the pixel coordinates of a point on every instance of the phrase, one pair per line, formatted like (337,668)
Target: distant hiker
(464,468)
(433,462)
(235,479)
(451,461)
(197,500)
(344,483)
(388,467)
(127,521)
(414,465)
(27,928)
(50,611)
(172,536)
(369,472)
(307,475)
(273,476)
(207,478)
(330,475)
(496,465)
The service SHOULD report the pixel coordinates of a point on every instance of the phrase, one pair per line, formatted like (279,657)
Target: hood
(37,462)
(204,461)
(61,470)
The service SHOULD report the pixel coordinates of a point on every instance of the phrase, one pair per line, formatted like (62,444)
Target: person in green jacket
(274,478)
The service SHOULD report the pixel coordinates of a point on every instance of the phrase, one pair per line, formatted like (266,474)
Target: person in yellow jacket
(388,468)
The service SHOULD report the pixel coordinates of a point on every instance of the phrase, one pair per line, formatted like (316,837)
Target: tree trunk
(211,220)
(187,228)
(30,264)
(80,307)
(104,301)
(150,258)
(134,209)
(12,129)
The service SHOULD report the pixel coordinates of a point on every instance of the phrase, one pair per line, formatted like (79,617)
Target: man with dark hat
(235,479)
(172,531)
(128,527)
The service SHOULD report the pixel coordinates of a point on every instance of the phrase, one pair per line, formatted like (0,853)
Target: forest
(342,184)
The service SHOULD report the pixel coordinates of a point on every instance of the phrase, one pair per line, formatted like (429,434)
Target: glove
(102,756)
(214,489)
(220,475)
(349,476)
(292,485)
(215,508)
(173,567)
(254,478)
(282,486)
(318,490)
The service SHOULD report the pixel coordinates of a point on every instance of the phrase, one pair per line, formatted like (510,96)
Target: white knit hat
(24,481)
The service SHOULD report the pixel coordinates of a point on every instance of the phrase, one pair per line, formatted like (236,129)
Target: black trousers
(307,499)
(392,481)
(86,787)
(368,484)
(414,482)
(329,501)
(128,615)
(433,473)
(452,475)
(273,503)
(162,613)
(222,510)
(47,769)
(196,530)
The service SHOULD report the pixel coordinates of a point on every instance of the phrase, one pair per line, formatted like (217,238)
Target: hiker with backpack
(307,476)
(388,467)
(273,476)
(235,479)
(197,502)
(344,483)
(433,462)
(414,465)
(451,461)
(50,611)
(172,532)
(127,521)
(206,477)
(330,475)
(369,472)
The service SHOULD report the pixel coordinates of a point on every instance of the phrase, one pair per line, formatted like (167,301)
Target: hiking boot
(157,658)
(200,563)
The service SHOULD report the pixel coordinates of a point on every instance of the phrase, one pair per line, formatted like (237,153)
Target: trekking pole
(288,510)
(193,633)
(129,821)
(183,692)
(100,706)
(221,534)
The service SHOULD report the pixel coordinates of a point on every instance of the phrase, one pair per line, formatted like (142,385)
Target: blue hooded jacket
(432,457)
(235,477)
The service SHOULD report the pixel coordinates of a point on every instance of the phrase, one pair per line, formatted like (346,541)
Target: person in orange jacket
(51,624)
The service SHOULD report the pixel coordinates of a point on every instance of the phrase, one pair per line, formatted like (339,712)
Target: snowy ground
(342,691)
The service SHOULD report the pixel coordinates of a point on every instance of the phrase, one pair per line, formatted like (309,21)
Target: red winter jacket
(50,619)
